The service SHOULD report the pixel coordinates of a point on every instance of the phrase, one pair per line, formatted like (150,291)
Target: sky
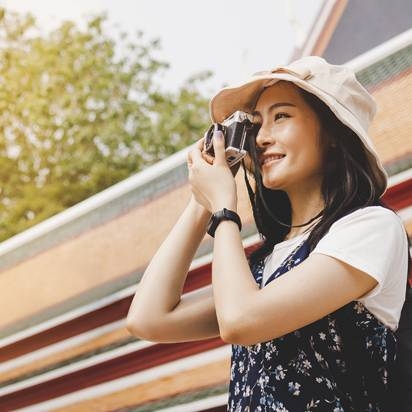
(231,38)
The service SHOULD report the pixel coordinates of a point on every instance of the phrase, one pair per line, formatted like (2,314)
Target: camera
(239,132)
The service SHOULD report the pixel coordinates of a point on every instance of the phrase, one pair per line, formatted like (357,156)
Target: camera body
(239,132)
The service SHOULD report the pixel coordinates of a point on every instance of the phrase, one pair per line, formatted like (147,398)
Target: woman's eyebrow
(274,106)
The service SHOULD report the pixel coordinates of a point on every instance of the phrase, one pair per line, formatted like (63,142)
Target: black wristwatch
(220,216)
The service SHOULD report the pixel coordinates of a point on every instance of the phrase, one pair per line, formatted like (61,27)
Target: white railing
(106,196)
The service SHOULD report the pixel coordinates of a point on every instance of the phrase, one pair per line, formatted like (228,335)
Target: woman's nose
(263,138)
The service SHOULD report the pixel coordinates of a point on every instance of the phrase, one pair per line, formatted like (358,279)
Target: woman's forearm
(161,286)
(232,280)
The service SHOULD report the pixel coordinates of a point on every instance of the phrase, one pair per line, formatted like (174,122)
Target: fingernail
(218,135)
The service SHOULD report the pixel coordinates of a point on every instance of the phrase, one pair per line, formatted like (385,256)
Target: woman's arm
(309,291)
(350,261)
(157,312)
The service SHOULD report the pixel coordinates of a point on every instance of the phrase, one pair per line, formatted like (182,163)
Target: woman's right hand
(210,159)
(200,145)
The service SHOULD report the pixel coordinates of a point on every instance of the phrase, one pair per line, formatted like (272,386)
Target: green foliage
(80,111)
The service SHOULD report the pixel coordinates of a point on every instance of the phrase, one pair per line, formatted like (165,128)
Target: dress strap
(287,261)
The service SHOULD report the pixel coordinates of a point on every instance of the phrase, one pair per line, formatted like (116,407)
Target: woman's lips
(272,161)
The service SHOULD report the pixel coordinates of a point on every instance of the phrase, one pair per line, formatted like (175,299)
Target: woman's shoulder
(379,216)
(370,226)
(372,239)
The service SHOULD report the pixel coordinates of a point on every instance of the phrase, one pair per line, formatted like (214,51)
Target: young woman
(310,314)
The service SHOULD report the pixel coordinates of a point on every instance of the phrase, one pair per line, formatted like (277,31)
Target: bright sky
(233,38)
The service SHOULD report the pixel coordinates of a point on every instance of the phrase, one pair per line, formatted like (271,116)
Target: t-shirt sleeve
(371,239)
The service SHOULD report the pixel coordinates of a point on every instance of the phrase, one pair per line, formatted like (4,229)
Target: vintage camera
(239,132)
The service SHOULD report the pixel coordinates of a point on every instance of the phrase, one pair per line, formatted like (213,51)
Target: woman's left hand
(213,185)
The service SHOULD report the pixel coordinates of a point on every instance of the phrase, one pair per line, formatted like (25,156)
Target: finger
(196,155)
(210,159)
(189,159)
(200,143)
(190,156)
(219,148)
(249,163)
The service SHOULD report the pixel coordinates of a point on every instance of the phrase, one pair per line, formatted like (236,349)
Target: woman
(310,314)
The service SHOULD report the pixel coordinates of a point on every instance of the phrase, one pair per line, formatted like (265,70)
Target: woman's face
(289,127)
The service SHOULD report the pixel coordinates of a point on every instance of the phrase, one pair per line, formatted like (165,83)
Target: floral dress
(340,363)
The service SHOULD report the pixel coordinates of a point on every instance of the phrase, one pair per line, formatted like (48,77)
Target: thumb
(219,147)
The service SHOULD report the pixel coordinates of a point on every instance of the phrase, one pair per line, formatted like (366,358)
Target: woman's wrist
(198,209)
(229,204)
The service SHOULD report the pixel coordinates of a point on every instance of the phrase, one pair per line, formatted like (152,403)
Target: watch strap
(220,216)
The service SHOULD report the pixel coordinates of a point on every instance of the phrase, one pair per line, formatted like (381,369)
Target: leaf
(84,109)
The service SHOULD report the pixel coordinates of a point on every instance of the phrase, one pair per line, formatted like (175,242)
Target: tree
(80,111)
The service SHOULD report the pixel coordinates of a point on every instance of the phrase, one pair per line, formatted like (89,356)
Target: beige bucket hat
(335,85)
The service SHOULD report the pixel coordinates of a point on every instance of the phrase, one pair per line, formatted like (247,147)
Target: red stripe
(106,371)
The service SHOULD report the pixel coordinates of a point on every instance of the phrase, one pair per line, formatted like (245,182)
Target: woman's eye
(277,115)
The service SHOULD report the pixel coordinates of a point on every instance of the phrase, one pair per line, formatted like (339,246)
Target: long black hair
(349,183)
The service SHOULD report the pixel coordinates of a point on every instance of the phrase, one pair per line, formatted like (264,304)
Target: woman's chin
(272,184)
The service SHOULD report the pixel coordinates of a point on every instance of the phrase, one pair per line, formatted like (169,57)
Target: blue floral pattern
(339,363)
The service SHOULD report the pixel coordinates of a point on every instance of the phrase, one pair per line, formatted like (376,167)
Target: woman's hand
(212,181)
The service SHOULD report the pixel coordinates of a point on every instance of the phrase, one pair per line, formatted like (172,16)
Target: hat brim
(244,97)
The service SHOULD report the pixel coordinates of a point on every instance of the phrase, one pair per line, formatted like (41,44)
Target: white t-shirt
(371,239)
